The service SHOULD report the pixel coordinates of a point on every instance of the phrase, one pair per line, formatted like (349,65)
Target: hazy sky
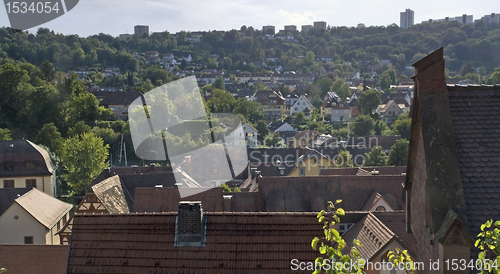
(119,16)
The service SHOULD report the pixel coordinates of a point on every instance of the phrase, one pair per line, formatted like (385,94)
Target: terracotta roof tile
(236,243)
(40,259)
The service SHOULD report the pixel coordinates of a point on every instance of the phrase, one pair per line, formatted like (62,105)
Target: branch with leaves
(332,259)
(489,243)
(401,260)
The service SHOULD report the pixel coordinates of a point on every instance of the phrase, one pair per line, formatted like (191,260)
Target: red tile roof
(312,193)
(167,199)
(39,259)
(235,243)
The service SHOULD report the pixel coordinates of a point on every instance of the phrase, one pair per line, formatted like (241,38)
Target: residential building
(268,30)
(24,164)
(390,112)
(463,19)
(302,138)
(273,105)
(320,25)
(407,19)
(126,35)
(452,178)
(250,135)
(490,18)
(311,163)
(33,218)
(302,104)
(256,236)
(307,28)
(185,57)
(281,126)
(119,101)
(141,30)
(291,28)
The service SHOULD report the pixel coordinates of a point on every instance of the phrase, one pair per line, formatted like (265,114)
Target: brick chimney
(190,224)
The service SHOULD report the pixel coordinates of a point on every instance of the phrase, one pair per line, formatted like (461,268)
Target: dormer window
(30,165)
(8,166)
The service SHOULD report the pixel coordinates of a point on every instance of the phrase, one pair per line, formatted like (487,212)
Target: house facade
(302,104)
(33,218)
(390,112)
(24,164)
(273,105)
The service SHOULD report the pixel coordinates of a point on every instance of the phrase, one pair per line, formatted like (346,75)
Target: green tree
(252,111)
(398,156)
(494,78)
(376,157)
(299,119)
(402,126)
(263,130)
(388,78)
(344,159)
(363,126)
(48,72)
(368,101)
(219,83)
(341,88)
(380,128)
(78,129)
(83,157)
(5,134)
(221,101)
(49,136)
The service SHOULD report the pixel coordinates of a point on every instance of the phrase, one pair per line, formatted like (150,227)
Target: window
(302,171)
(30,182)
(8,166)
(8,183)
(214,170)
(30,165)
(282,172)
(380,209)
(28,240)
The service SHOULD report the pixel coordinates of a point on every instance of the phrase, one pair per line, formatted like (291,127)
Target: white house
(250,135)
(33,218)
(390,112)
(302,104)
(24,164)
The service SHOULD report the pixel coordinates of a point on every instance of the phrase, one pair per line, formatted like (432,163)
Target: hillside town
(335,147)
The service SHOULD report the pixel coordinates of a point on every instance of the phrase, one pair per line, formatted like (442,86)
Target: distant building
(140,30)
(306,28)
(291,28)
(491,18)
(126,35)
(407,19)
(320,25)
(271,30)
(463,19)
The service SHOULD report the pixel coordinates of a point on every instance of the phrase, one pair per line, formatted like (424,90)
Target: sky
(114,17)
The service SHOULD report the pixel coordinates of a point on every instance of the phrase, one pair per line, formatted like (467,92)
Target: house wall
(312,168)
(300,105)
(45,184)
(340,115)
(13,231)
(381,202)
